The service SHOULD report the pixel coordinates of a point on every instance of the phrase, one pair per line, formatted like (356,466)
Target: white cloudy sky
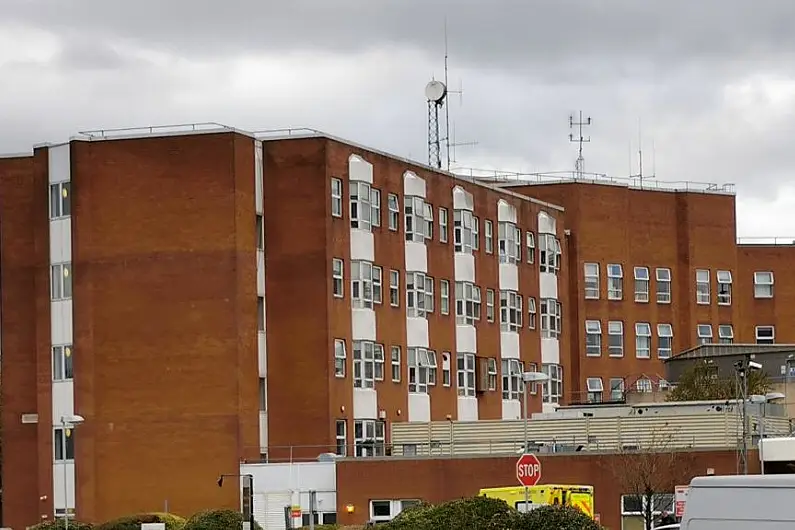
(711,81)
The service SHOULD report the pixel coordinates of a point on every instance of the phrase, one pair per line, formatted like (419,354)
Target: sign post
(528,473)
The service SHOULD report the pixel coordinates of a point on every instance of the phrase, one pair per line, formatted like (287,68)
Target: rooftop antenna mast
(640,175)
(579,164)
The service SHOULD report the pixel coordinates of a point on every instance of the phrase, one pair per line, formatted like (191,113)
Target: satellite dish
(435,91)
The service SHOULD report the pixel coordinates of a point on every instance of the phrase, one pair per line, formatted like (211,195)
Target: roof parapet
(766,241)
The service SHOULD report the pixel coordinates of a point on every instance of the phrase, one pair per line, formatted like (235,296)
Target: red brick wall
(778,311)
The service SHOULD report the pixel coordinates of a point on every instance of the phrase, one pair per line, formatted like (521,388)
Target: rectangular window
(378,357)
(378,295)
(428,221)
(553,387)
(595,389)
(550,318)
(615,338)
(62,281)
(765,335)
(511,378)
(530,243)
(593,338)
(432,367)
(62,363)
(365,284)
(641,284)
(510,311)
(665,341)
(462,231)
(446,378)
(466,374)
(394,288)
(375,206)
(488,228)
(702,286)
(763,284)
(642,340)
(509,242)
(444,297)
(467,303)
(360,205)
(364,363)
(64,444)
(369,437)
(531,312)
(395,356)
(260,228)
(429,294)
(393,205)
(615,281)
(491,368)
(263,394)
(533,386)
(490,305)
(663,286)
(724,287)
(340,356)
(60,200)
(419,363)
(643,385)
(337,278)
(443,223)
(260,313)
(704,332)
(591,283)
(616,389)
(549,253)
(336,197)
(342,438)
(414,208)
(415,294)
(725,334)
(475,233)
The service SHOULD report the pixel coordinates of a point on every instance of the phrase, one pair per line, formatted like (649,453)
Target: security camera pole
(743,367)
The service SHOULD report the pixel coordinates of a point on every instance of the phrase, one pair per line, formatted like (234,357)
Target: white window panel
(415,294)
(532,312)
(444,297)
(375,207)
(591,283)
(765,335)
(475,233)
(615,338)
(429,294)
(595,389)
(421,362)
(64,444)
(724,287)
(490,305)
(462,231)
(492,373)
(394,288)
(365,284)
(704,332)
(512,378)
(337,278)
(616,389)
(510,311)
(62,366)
(725,334)
(593,338)
(60,200)
(393,207)
(364,360)
(553,387)
(340,356)
(642,281)
(360,205)
(665,339)
(763,284)
(488,228)
(395,359)
(509,242)
(642,340)
(551,323)
(414,219)
(615,281)
(663,276)
(530,243)
(428,216)
(443,225)
(342,438)
(466,374)
(369,438)
(702,286)
(61,281)
(336,197)
(467,303)
(549,253)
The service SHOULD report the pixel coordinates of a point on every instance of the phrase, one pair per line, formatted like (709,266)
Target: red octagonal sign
(528,470)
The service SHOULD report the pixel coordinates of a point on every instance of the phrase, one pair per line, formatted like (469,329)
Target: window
(428,221)
(385,510)
(665,340)
(488,228)
(765,334)
(530,242)
(446,368)
(462,231)
(616,389)
(394,288)
(378,354)
(369,437)
(595,389)
(432,367)
(395,356)
(340,354)
(509,242)
(553,387)
(260,228)
(635,505)
(466,374)
(360,205)
(415,294)
(643,385)
(336,197)
(641,284)
(724,287)
(62,363)
(663,286)
(490,305)
(533,386)
(615,338)
(393,205)
(414,219)
(365,284)
(444,297)
(591,284)
(550,318)
(615,282)
(702,286)
(364,361)
(375,206)
(531,312)
(642,340)
(429,294)
(510,311)
(342,438)
(64,444)
(443,223)
(467,303)
(763,284)
(593,338)
(261,313)
(60,200)
(475,233)
(337,278)
(704,332)
(491,369)
(725,334)
(549,253)
(511,378)
(419,362)
(62,281)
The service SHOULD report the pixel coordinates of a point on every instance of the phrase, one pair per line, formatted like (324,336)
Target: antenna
(579,164)
(640,176)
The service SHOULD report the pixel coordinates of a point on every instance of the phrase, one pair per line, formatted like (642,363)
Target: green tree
(546,518)
(701,383)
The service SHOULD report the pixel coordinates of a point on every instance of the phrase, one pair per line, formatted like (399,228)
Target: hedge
(133,522)
(58,524)
(546,518)
(217,520)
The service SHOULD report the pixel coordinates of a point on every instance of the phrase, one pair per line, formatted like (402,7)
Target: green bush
(546,518)
(217,520)
(133,522)
(475,513)
(58,524)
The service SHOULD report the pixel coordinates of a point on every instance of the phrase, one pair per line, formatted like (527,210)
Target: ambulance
(580,497)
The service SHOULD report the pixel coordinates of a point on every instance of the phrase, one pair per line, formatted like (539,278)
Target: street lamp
(528,378)
(763,401)
(68,422)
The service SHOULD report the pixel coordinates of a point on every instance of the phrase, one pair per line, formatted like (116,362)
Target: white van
(741,502)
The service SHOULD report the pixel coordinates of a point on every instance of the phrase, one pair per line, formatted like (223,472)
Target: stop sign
(528,470)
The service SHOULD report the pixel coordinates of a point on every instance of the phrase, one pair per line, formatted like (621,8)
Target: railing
(766,241)
(290,131)
(99,134)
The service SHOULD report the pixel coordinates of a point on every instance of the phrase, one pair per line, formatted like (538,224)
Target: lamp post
(528,378)
(248,498)
(68,422)
(743,367)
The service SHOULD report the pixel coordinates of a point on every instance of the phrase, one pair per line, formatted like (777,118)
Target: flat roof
(707,351)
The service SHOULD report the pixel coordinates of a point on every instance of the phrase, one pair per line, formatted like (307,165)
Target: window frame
(615,328)
(642,285)
(63,191)
(643,340)
(768,285)
(393,211)
(615,282)
(444,221)
(771,338)
(61,281)
(465,374)
(701,336)
(591,274)
(488,236)
(664,280)
(725,334)
(532,313)
(337,278)
(665,331)
(724,290)
(444,297)
(511,311)
(593,328)
(336,197)
(360,205)
(340,349)
(62,362)
(394,357)
(512,370)
(703,287)
(394,288)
